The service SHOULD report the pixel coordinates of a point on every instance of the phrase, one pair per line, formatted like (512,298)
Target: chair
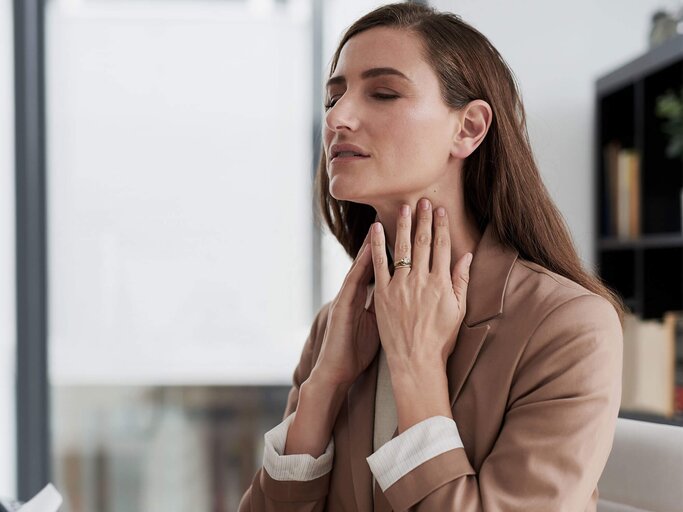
(644,472)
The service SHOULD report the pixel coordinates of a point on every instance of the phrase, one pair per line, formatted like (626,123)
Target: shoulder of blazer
(546,283)
(554,311)
(559,279)
(535,292)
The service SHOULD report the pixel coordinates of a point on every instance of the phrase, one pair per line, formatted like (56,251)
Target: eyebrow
(368,73)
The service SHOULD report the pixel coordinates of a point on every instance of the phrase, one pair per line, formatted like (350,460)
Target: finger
(379,256)
(402,246)
(441,254)
(358,271)
(366,241)
(461,278)
(423,237)
(359,275)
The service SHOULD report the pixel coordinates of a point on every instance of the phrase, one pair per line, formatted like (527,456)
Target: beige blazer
(535,387)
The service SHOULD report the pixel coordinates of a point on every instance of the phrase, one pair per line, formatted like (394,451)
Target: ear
(475,120)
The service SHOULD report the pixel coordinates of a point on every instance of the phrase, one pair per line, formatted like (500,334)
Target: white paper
(47,500)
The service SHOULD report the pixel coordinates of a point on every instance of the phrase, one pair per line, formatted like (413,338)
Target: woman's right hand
(341,359)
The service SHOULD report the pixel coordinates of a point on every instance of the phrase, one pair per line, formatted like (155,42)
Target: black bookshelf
(645,269)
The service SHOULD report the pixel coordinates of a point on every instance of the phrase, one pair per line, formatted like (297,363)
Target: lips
(347,151)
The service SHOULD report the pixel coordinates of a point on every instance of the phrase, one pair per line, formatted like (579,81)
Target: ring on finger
(403,262)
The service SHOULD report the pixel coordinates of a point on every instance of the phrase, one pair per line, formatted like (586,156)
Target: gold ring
(403,262)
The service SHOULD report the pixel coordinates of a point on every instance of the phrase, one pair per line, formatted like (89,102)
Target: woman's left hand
(418,311)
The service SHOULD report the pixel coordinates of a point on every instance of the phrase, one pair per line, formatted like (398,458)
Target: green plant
(669,106)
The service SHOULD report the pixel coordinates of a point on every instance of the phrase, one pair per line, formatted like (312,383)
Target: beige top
(386,418)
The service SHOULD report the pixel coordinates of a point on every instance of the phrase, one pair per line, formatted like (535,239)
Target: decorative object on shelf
(669,106)
(664,26)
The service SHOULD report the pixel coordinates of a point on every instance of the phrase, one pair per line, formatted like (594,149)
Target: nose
(342,116)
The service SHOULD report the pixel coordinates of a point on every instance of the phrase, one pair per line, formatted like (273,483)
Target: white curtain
(179,185)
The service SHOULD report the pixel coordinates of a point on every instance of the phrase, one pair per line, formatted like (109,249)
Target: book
(648,367)
(610,157)
(673,320)
(634,194)
(628,170)
(621,182)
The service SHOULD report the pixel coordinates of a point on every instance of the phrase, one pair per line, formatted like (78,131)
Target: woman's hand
(418,311)
(341,359)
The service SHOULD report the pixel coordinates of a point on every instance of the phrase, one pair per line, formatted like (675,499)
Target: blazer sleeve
(265,493)
(557,432)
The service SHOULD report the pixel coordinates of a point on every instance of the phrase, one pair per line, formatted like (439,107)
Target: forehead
(383,47)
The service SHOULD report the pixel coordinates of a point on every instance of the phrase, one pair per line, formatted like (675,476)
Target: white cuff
(298,467)
(415,446)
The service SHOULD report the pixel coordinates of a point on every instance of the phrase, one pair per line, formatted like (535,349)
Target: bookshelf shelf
(639,195)
(642,242)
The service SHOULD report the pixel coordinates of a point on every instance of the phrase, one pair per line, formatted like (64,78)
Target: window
(7,290)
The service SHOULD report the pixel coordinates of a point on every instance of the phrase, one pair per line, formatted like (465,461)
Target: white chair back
(644,472)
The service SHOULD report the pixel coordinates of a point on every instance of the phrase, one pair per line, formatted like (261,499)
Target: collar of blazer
(489,273)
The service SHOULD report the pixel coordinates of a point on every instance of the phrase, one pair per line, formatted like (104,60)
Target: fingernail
(469,259)
(440,211)
(377,227)
(405,210)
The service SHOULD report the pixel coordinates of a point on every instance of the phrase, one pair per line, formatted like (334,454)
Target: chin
(348,190)
(341,195)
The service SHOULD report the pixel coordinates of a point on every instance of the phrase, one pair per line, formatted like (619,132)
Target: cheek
(419,142)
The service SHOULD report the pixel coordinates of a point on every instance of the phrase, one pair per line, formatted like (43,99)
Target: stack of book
(621,214)
(652,379)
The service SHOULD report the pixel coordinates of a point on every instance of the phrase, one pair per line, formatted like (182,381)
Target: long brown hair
(503,183)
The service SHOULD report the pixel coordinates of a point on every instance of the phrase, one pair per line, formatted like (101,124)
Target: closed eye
(379,96)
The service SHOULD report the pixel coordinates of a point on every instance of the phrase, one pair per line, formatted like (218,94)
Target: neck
(464,234)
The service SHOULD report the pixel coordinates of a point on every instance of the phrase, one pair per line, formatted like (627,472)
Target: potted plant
(669,106)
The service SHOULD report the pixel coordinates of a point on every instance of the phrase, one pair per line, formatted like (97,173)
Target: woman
(429,384)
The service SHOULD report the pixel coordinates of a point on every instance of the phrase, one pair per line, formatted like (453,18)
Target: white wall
(7,290)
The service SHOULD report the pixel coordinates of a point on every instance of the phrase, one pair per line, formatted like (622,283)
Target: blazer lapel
(489,273)
(361,414)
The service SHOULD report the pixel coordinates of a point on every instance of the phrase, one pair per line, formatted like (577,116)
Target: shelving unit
(646,268)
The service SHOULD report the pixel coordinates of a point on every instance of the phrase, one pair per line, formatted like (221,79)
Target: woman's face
(400,122)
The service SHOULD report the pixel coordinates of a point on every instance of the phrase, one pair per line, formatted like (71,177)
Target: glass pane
(7,290)
(179,174)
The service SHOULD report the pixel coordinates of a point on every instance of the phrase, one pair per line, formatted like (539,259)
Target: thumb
(461,278)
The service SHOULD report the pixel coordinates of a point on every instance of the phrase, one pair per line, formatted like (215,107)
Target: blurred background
(159,261)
